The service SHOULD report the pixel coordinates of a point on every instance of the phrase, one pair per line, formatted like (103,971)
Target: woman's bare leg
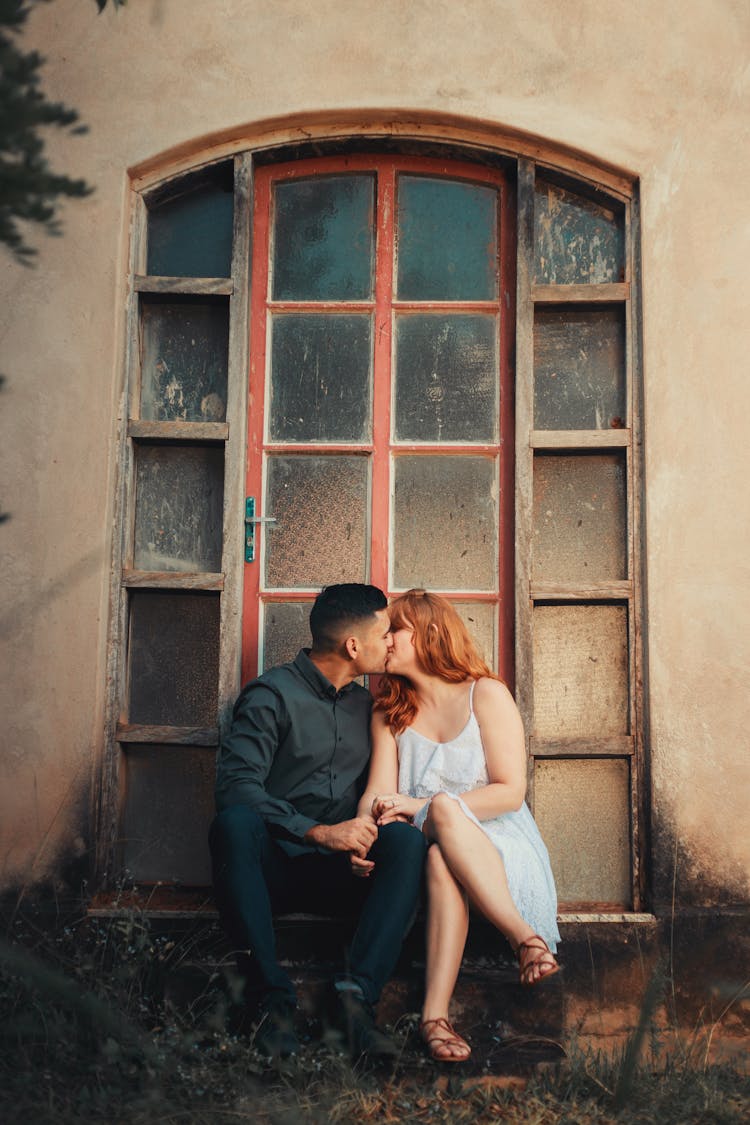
(478,867)
(447,927)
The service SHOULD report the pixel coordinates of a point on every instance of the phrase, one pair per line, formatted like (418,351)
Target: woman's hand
(390,807)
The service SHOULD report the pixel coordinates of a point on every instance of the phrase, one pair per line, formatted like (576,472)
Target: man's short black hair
(337,608)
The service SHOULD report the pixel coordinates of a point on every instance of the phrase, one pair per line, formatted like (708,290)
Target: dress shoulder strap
(471,697)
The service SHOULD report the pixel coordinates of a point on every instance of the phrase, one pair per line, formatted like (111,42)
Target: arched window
(424,374)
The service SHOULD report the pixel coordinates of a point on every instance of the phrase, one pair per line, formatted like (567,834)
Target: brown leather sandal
(535,951)
(436,1043)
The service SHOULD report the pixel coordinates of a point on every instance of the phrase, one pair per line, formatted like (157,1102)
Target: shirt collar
(320,684)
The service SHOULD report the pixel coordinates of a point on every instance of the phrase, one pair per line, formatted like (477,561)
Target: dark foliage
(105,1020)
(30,192)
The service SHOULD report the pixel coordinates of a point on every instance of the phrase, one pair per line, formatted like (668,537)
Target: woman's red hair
(443,646)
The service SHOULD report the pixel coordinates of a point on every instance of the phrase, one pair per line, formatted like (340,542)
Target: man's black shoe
(355,1019)
(275,1036)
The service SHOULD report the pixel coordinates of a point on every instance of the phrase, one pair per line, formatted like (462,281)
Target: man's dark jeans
(254,878)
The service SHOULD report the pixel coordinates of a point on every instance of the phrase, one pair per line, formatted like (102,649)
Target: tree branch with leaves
(30,191)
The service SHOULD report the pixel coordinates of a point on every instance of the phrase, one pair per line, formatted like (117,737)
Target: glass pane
(169,805)
(179,508)
(579,518)
(286,629)
(184,355)
(323,239)
(190,233)
(173,658)
(579,369)
(580,657)
(582,809)
(446,378)
(447,240)
(320,505)
(576,241)
(481,621)
(320,377)
(445,523)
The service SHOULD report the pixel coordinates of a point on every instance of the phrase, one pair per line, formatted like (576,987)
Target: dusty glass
(446,377)
(579,369)
(323,239)
(179,495)
(184,357)
(173,658)
(320,377)
(447,244)
(579,524)
(190,232)
(576,240)
(445,531)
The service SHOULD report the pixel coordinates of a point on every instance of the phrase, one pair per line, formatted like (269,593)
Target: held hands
(390,807)
(353,836)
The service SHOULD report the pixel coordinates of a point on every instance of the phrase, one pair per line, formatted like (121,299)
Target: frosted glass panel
(184,355)
(445,523)
(481,621)
(576,240)
(580,659)
(179,507)
(582,809)
(447,240)
(579,518)
(446,378)
(579,369)
(286,629)
(323,239)
(320,377)
(169,806)
(173,658)
(320,507)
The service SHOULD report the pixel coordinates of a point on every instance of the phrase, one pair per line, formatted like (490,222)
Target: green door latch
(250,521)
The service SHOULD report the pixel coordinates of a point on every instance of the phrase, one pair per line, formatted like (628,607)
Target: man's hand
(355,836)
(360,867)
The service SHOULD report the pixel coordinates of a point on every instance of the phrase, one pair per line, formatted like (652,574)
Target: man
(287,835)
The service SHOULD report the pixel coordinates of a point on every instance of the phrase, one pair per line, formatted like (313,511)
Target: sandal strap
(536,941)
(453,1037)
(439,1021)
(534,944)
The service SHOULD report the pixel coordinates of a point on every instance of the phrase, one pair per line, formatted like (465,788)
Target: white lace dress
(426,768)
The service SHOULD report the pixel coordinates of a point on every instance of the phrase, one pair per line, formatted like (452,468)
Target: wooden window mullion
(230,644)
(524,391)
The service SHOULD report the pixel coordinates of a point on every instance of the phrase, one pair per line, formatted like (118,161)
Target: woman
(449,756)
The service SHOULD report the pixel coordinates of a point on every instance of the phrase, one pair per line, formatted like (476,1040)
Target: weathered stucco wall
(659,90)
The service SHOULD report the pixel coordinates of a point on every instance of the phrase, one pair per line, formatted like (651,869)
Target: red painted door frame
(381,449)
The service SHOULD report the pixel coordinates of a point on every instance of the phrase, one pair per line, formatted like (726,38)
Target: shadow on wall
(684,880)
(26,608)
(56,862)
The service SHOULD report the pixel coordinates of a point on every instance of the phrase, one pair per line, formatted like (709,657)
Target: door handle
(250,521)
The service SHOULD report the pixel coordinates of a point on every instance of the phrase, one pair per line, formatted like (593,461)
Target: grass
(105,1021)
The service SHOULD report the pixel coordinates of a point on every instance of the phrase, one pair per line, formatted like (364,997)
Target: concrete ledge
(702,960)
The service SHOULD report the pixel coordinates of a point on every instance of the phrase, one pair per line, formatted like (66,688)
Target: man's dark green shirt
(297,751)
